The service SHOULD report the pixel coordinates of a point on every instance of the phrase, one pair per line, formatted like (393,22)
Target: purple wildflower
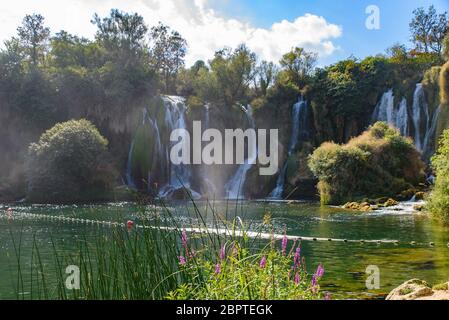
(327,296)
(263,262)
(314,281)
(184,238)
(222,253)
(217,268)
(297,258)
(182,260)
(284,244)
(297,278)
(320,271)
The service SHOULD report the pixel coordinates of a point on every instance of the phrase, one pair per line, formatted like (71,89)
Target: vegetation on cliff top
(378,163)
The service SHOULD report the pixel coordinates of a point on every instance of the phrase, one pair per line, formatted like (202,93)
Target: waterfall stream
(176,177)
(299,124)
(420,118)
(234,187)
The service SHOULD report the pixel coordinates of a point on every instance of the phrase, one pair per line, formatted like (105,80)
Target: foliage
(428,29)
(267,275)
(167,54)
(68,164)
(33,37)
(380,162)
(438,201)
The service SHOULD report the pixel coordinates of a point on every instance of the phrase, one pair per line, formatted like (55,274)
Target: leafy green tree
(167,53)
(428,29)
(266,73)
(298,65)
(233,72)
(121,31)
(34,38)
(69,163)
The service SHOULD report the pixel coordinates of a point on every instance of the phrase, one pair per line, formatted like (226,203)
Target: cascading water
(299,127)
(386,111)
(207,187)
(429,139)
(234,187)
(424,122)
(180,174)
(420,114)
(174,177)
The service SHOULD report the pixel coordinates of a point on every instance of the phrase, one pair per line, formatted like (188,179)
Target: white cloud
(205,30)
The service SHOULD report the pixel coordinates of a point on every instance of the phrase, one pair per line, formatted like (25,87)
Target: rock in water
(416,289)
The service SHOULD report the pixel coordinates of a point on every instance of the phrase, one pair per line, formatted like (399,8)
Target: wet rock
(419,195)
(418,207)
(364,206)
(390,203)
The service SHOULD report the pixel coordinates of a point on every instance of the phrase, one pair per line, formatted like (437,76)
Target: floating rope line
(198,230)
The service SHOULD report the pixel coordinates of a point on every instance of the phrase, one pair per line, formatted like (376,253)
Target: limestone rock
(416,289)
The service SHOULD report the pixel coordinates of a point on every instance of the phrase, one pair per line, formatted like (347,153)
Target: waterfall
(299,130)
(402,118)
(385,111)
(234,187)
(420,113)
(429,139)
(173,177)
(180,174)
(207,187)
(424,122)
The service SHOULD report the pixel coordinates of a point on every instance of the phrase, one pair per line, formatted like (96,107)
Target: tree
(121,30)
(69,163)
(266,73)
(429,29)
(298,65)
(33,37)
(167,53)
(233,72)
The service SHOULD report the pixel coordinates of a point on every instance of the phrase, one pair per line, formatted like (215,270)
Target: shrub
(268,274)
(69,163)
(438,201)
(380,162)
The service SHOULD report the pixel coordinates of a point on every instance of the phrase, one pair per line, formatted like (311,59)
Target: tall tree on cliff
(428,29)
(34,38)
(167,54)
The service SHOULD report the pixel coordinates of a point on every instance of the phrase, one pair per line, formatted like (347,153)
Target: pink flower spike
(184,238)
(284,244)
(297,278)
(182,260)
(217,268)
(263,262)
(222,253)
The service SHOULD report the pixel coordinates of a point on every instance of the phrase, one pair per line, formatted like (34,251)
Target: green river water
(345,263)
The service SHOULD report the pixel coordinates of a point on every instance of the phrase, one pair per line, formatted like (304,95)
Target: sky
(334,29)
